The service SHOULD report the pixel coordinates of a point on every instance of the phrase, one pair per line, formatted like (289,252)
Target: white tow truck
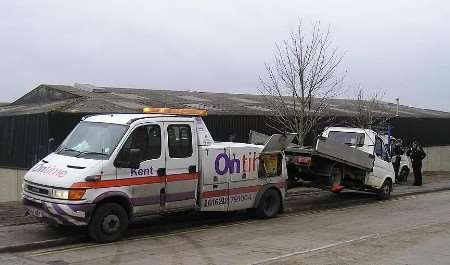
(113,168)
(351,158)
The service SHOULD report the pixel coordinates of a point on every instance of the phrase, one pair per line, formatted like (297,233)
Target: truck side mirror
(129,158)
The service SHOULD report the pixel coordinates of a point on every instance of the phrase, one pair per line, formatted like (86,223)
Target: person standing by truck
(417,154)
(397,153)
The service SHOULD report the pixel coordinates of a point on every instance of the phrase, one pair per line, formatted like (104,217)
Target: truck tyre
(109,223)
(269,205)
(403,175)
(384,193)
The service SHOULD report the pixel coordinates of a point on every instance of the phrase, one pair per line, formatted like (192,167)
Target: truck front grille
(37,190)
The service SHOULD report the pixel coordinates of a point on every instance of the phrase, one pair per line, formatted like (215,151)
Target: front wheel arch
(115,197)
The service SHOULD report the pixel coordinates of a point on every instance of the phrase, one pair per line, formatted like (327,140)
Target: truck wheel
(403,175)
(269,205)
(109,223)
(384,193)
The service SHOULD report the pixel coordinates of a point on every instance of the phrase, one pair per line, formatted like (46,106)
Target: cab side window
(378,147)
(146,138)
(180,140)
(154,142)
(380,150)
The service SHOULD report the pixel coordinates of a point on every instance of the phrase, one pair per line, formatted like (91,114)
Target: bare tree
(371,111)
(299,81)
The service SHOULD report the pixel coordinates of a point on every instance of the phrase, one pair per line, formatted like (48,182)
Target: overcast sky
(401,47)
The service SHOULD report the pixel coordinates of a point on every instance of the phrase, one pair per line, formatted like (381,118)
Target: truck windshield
(348,138)
(92,140)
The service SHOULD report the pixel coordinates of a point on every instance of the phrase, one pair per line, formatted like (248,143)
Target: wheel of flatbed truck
(384,193)
(403,175)
(269,205)
(109,223)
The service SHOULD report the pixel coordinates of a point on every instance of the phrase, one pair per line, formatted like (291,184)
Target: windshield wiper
(69,150)
(91,153)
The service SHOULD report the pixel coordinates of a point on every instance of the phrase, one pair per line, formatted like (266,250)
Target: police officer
(417,154)
(397,153)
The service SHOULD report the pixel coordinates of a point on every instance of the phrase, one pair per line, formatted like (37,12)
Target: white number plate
(35,212)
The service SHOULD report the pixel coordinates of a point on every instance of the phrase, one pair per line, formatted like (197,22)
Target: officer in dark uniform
(417,154)
(397,153)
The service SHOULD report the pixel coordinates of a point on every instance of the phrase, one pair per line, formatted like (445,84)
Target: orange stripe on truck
(134,181)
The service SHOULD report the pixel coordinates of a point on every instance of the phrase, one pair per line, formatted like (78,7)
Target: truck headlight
(61,194)
(73,194)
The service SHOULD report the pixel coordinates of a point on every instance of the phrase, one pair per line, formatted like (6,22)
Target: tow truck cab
(113,168)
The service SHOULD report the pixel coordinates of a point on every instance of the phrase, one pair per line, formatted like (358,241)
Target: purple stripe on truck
(149,200)
(181,196)
(63,213)
(81,207)
(156,199)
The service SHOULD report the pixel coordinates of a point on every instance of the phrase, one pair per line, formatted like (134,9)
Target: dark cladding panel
(428,131)
(60,124)
(235,127)
(23,140)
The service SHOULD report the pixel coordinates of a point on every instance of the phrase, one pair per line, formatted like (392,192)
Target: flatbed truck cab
(114,168)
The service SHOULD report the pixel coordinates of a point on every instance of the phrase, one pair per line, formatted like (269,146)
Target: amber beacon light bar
(190,112)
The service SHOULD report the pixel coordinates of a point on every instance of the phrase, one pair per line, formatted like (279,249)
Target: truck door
(143,183)
(382,165)
(181,172)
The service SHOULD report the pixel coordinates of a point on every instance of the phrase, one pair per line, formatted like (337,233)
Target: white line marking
(362,238)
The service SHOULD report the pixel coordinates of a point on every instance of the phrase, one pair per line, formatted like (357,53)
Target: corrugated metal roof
(63,98)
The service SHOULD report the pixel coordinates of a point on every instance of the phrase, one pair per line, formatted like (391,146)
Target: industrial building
(51,111)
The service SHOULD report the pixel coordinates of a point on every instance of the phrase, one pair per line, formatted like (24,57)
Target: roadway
(412,229)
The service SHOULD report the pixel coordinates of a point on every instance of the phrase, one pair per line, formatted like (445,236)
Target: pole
(398,106)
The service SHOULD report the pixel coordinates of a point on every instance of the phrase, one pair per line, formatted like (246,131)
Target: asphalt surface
(412,229)
(29,235)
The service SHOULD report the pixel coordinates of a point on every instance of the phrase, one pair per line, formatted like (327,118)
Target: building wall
(11,184)
(428,131)
(23,140)
(438,159)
